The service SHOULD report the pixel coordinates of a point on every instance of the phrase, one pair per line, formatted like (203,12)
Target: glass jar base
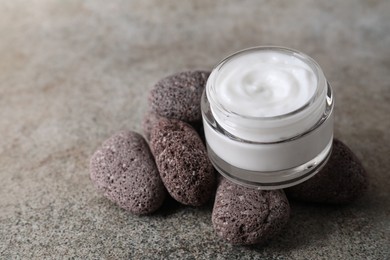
(271,180)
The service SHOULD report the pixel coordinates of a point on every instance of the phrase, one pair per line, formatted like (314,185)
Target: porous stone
(151,118)
(342,180)
(178,96)
(182,161)
(245,216)
(125,171)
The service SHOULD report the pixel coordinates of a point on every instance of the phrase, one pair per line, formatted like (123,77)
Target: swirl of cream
(267,84)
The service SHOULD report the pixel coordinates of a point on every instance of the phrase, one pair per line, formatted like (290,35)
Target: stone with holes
(178,96)
(123,169)
(151,118)
(342,180)
(245,216)
(182,161)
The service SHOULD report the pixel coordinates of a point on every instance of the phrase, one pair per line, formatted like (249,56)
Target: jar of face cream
(268,117)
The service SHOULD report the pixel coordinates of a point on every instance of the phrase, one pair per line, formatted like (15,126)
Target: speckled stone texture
(151,118)
(74,72)
(125,171)
(342,180)
(178,96)
(246,216)
(182,161)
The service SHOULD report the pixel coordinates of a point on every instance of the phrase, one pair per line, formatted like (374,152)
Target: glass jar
(268,151)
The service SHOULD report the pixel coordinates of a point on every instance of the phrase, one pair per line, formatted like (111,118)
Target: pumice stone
(182,161)
(178,96)
(151,118)
(123,169)
(342,180)
(245,216)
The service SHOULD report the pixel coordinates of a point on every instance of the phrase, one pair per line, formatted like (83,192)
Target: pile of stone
(138,174)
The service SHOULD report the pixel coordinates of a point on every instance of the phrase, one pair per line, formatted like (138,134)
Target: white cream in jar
(268,118)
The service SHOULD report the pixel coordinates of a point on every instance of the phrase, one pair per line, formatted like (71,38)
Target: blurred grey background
(74,72)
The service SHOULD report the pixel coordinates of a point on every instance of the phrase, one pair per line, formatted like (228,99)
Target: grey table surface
(74,72)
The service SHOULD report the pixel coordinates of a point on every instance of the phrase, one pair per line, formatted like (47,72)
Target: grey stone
(123,169)
(246,216)
(151,118)
(178,96)
(182,161)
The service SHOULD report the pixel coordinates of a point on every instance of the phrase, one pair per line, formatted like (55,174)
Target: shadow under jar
(268,117)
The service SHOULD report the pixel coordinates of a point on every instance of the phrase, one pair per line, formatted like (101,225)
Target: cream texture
(264,84)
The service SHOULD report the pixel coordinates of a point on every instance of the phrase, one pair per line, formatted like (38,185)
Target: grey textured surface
(74,72)
(178,96)
(183,163)
(246,216)
(124,170)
